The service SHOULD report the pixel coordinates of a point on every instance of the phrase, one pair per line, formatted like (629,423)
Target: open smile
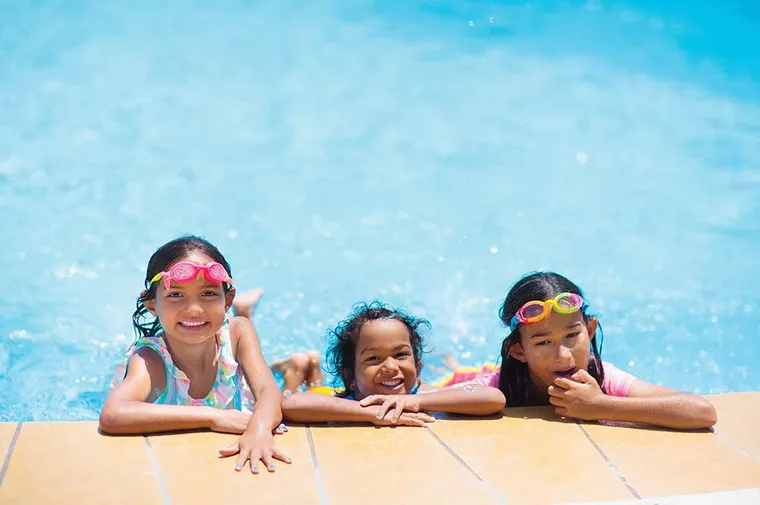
(194,325)
(392,384)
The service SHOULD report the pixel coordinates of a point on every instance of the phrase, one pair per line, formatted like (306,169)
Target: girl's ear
(229,297)
(149,304)
(591,327)
(518,353)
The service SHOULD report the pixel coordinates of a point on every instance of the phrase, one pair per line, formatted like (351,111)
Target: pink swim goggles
(537,310)
(185,271)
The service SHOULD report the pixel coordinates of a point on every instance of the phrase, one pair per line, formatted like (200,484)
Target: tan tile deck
(6,435)
(737,411)
(526,457)
(72,463)
(517,453)
(658,463)
(190,463)
(384,466)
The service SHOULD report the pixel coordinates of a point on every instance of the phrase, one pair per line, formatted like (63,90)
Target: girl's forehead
(196,257)
(383,332)
(554,323)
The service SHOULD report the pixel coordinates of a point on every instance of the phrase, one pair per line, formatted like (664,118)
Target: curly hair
(341,353)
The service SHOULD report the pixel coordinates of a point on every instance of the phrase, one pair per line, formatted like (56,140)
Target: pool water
(424,153)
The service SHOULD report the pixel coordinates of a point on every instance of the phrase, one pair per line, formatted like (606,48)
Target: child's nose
(390,364)
(564,355)
(194,306)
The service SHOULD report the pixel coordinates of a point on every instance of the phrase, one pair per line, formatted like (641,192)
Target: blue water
(427,153)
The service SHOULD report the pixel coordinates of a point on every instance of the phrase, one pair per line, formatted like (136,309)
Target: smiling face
(191,312)
(385,362)
(557,346)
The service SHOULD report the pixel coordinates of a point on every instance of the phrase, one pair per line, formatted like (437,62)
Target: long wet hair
(341,354)
(164,257)
(514,381)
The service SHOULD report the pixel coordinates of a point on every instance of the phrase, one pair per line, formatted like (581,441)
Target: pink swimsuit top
(616,381)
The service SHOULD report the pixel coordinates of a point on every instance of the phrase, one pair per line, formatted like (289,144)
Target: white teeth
(193,323)
(391,384)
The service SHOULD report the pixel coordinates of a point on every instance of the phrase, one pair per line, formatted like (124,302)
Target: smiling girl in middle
(376,354)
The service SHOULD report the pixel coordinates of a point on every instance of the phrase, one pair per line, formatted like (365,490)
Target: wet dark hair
(341,353)
(164,257)
(514,381)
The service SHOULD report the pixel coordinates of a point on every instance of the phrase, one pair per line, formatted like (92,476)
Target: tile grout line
(734,445)
(159,475)
(317,470)
(491,491)
(11,446)
(614,468)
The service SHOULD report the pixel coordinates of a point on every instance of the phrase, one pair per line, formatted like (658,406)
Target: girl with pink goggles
(185,271)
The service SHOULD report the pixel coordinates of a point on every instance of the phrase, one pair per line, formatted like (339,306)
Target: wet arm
(127,410)
(651,404)
(267,412)
(319,408)
(470,399)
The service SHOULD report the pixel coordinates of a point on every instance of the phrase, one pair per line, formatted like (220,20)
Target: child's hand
(577,397)
(410,403)
(252,446)
(405,410)
(419,419)
(236,422)
(230,421)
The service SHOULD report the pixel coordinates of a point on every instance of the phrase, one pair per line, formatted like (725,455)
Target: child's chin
(401,390)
